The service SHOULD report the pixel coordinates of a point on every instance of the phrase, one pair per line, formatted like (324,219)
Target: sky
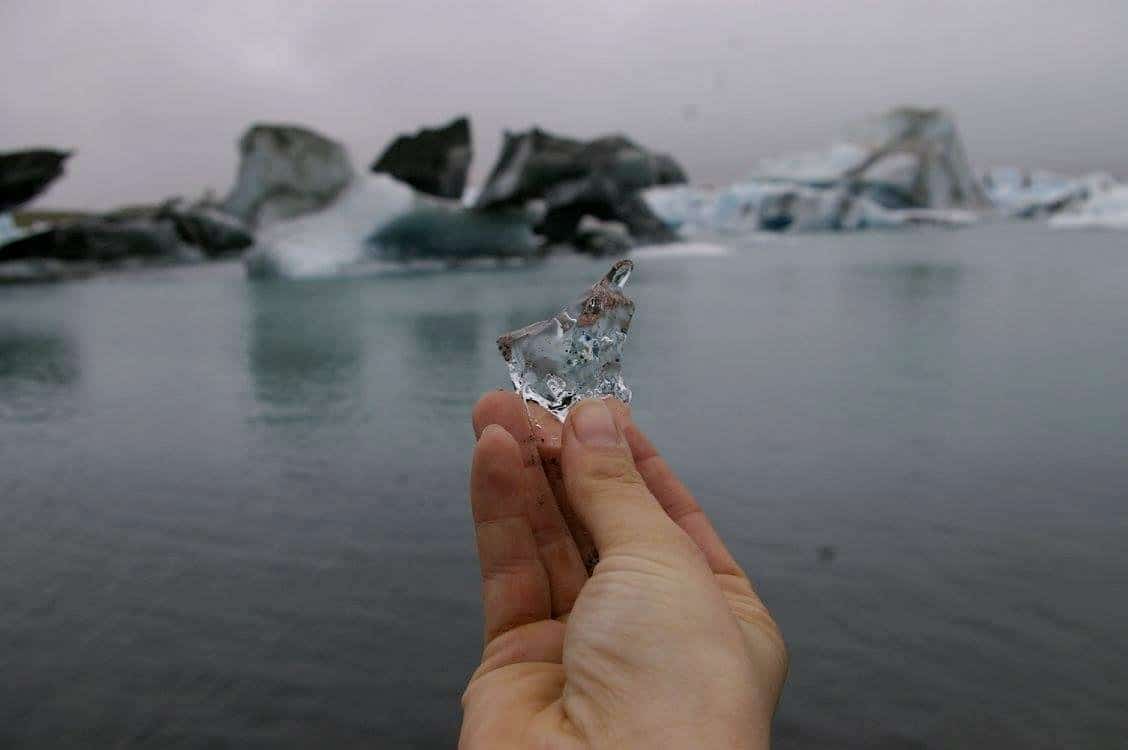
(154,95)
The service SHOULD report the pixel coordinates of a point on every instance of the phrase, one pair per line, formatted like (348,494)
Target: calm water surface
(234,515)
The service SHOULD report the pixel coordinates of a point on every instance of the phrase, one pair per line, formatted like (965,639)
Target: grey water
(234,514)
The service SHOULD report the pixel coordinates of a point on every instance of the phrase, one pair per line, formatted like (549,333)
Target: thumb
(606,489)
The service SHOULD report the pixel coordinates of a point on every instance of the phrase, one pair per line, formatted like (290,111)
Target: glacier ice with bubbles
(577,353)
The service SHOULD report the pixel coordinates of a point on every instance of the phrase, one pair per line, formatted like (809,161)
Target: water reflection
(915,303)
(38,366)
(446,353)
(447,335)
(909,284)
(305,348)
(35,356)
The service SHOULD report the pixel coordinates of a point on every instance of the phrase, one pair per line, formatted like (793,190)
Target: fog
(154,96)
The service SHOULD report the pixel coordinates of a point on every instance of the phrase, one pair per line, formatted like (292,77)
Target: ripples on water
(235,513)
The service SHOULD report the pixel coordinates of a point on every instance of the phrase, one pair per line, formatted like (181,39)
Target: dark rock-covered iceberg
(600,178)
(215,232)
(143,234)
(585,193)
(286,171)
(595,237)
(26,174)
(96,240)
(433,160)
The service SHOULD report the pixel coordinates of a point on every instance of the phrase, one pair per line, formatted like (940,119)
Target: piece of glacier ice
(577,353)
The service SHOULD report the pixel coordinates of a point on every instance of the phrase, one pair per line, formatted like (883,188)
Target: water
(235,514)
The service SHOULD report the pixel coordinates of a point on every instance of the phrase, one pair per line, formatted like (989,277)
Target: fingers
(675,497)
(606,489)
(555,543)
(515,586)
(508,410)
(505,408)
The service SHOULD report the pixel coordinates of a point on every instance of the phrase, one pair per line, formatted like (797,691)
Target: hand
(665,645)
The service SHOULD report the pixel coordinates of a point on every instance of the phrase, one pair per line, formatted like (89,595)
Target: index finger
(555,539)
(543,435)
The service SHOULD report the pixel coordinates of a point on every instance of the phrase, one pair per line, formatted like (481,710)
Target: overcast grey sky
(153,95)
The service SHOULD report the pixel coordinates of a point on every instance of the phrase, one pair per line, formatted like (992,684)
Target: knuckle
(511,569)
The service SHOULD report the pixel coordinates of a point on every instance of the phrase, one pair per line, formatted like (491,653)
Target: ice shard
(577,353)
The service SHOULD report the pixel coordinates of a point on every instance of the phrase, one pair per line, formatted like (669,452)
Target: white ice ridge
(329,241)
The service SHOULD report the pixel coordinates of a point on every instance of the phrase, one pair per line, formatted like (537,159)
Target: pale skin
(664,645)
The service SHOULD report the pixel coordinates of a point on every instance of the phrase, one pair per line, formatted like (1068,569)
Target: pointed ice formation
(576,354)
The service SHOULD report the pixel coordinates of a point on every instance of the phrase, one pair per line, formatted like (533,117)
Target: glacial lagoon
(235,512)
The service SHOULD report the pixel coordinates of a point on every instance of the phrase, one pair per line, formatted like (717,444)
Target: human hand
(666,644)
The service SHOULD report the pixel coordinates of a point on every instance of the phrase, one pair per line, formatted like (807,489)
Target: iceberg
(754,206)
(907,157)
(1104,209)
(903,168)
(595,237)
(452,232)
(599,178)
(286,171)
(432,160)
(1033,193)
(813,167)
(379,218)
(329,241)
(26,174)
(577,353)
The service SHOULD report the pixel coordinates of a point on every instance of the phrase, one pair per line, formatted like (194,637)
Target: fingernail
(490,428)
(594,425)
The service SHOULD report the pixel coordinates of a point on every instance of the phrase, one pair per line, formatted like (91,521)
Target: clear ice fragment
(577,353)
